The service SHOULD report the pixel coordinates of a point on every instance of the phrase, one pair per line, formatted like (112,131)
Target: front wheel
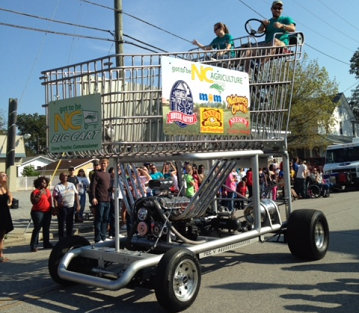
(79,264)
(178,279)
(308,234)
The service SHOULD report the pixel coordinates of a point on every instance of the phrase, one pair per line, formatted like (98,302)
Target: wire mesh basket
(132,108)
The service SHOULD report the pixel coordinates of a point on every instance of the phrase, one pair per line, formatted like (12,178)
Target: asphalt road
(261,277)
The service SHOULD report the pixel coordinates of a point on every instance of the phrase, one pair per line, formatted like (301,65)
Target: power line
(53,32)
(37,56)
(338,15)
(327,55)
(145,43)
(55,21)
(325,22)
(143,21)
(76,25)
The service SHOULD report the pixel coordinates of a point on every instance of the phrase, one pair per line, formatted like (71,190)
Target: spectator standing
(65,195)
(144,177)
(242,190)
(196,177)
(72,178)
(300,179)
(190,182)
(249,176)
(155,174)
(100,188)
(168,169)
(83,186)
(121,196)
(96,167)
(6,224)
(231,183)
(41,213)
(201,173)
(111,217)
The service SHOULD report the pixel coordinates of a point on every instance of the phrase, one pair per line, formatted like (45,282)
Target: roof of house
(66,163)
(27,160)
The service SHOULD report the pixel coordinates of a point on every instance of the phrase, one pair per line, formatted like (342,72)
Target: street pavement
(260,278)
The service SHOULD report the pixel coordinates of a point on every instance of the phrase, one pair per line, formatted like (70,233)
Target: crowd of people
(68,199)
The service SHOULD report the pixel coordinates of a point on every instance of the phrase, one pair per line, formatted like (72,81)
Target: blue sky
(330,27)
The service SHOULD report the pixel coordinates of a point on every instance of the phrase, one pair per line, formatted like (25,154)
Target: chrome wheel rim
(185,280)
(319,235)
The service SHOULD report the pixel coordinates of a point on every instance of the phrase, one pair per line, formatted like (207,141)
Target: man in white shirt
(302,174)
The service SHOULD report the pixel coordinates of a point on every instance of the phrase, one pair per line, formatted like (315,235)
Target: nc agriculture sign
(75,124)
(203,99)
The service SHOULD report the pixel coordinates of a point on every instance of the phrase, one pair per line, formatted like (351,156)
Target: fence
(27,183)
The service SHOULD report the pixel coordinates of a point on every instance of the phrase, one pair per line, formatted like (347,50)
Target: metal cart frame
(131,108)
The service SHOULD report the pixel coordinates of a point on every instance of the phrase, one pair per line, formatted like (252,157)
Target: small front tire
(178,279)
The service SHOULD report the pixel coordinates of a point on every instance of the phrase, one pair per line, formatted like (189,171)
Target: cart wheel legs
(308,234)
(178,279)
(80,264)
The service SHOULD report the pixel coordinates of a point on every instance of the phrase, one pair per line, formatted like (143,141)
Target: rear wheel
(308,234)
(178,279)
(79,264)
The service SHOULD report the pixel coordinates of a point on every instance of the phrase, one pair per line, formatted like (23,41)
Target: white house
(345,125)
(38,162)
(344,129)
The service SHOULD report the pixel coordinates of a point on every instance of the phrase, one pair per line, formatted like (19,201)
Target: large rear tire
(308,234)
(79,264)
(178,279)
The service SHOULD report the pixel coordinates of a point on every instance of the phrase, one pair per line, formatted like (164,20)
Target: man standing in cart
(277,24)
(100,190)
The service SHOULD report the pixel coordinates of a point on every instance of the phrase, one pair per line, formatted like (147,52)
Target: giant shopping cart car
(178,107)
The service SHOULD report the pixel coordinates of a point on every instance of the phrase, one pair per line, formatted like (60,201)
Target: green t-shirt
(221,43)
(190,190)
(271,30)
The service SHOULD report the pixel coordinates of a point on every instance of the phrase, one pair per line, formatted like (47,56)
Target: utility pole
(118,32)
(10,149)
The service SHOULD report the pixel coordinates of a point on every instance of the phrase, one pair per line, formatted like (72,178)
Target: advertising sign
(75,124)
(203,99)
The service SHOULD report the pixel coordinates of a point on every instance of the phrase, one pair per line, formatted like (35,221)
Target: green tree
(29,171)
(354,101)
(354,64)
(2,123)
(312,105)
(354,69)
(34,125)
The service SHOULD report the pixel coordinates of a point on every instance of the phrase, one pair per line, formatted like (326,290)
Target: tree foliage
(29,171)
(354,69)
(354,64)
(354,102)
(33,124)
(312,104)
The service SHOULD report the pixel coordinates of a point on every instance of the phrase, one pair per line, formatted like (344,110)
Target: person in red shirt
(242,190)
(41,213)
(249,176)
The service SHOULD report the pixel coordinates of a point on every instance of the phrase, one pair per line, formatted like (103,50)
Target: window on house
(353,128)
(341,128)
